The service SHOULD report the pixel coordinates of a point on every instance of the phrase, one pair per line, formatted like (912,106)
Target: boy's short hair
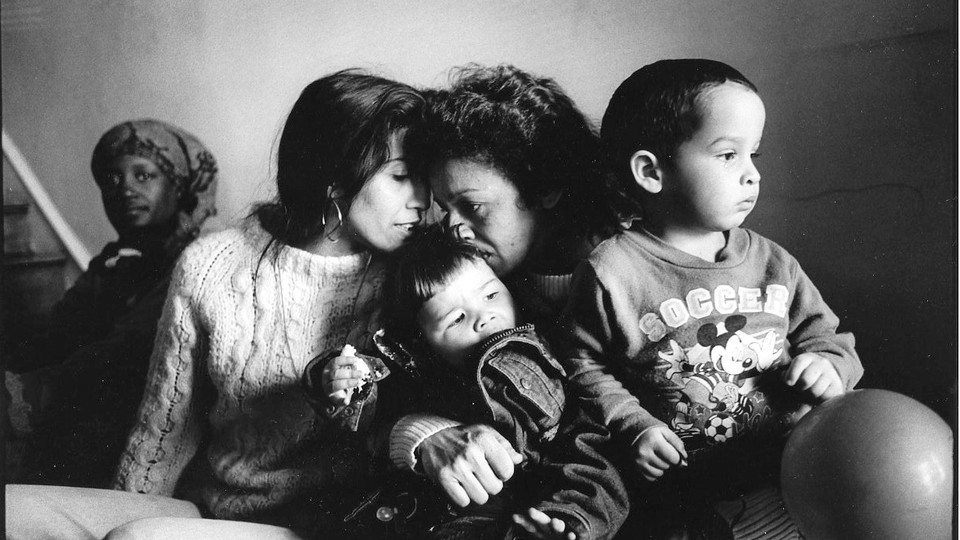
(419,270)
(655,109)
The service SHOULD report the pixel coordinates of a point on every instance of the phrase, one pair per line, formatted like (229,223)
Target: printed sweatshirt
(658,336)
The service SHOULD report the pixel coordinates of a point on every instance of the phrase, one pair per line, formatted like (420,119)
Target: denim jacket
(518,388)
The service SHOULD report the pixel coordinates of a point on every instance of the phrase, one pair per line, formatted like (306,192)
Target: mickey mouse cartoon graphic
(728,351)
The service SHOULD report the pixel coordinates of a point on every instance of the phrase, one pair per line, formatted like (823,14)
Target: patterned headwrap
(180,156)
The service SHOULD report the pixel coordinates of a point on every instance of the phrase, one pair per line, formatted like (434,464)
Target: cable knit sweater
(238,327)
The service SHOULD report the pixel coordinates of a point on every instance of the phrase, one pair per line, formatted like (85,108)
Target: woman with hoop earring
(224,427)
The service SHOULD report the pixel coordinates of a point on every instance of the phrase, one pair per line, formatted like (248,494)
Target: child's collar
(697,248)
(493,339)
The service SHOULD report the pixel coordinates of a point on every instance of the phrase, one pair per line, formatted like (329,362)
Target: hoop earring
(330,236)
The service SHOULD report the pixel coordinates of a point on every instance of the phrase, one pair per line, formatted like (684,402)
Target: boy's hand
(343,376)
(657,449)
(539,525)
(815,376)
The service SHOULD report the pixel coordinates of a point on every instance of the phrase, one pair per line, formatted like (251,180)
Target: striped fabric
(759,515)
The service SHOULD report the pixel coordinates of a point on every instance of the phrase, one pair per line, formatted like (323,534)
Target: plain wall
(859,159)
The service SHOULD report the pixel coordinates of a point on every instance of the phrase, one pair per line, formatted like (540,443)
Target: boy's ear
(551,199)
(647,171)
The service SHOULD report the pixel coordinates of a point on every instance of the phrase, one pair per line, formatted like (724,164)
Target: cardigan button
(525,384)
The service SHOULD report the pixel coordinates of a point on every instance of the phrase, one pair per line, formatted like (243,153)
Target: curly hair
(337,135)
(656,109)
(527,129)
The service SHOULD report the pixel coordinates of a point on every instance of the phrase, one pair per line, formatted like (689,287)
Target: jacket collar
(493,339)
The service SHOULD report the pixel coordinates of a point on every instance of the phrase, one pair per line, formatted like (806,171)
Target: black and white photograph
(427,270)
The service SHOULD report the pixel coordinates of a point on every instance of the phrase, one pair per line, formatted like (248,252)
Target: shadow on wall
(868,205)
(882,286)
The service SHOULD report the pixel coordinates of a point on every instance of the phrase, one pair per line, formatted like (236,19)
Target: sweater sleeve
(168,430)
(116,362)
(73,321)
(70,324)
(592,358)
(813,328)
(407,434)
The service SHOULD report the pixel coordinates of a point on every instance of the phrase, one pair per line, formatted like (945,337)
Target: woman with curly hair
(516,168)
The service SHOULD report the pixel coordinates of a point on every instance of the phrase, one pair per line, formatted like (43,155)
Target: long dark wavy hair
(336,136)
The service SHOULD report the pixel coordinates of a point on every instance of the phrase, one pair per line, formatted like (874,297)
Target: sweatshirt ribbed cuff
(409,432)
(644,430)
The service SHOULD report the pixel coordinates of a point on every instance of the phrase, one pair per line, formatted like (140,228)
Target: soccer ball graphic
(720,427)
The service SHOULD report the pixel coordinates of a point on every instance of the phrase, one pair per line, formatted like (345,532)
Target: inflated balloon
(870,464)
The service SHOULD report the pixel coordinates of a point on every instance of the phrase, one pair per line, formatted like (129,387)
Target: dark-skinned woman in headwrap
(76,386)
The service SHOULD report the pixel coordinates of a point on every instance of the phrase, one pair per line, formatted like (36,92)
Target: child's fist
(539,525)
(814,375)
(657,449)
(344,376)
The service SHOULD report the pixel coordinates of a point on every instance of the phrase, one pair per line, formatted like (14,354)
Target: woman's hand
(343,376)
(539,525)
(657,449)
(469,463)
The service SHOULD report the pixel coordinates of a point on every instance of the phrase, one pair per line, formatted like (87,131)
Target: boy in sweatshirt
(698,343)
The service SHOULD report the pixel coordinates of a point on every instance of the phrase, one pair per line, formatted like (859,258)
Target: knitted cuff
(646,429)
(409,432)
(552,287)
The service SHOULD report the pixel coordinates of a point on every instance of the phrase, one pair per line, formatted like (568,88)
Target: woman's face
(488,211)
(388,207)
(137,195)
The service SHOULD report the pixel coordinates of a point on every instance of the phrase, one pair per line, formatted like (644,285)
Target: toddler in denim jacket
(453,345)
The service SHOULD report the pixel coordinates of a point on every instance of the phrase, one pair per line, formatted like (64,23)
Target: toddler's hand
(657,449)
(814,375)
(539,525)
(343,376)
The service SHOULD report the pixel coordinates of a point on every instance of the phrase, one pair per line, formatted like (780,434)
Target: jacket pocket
(545,394)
